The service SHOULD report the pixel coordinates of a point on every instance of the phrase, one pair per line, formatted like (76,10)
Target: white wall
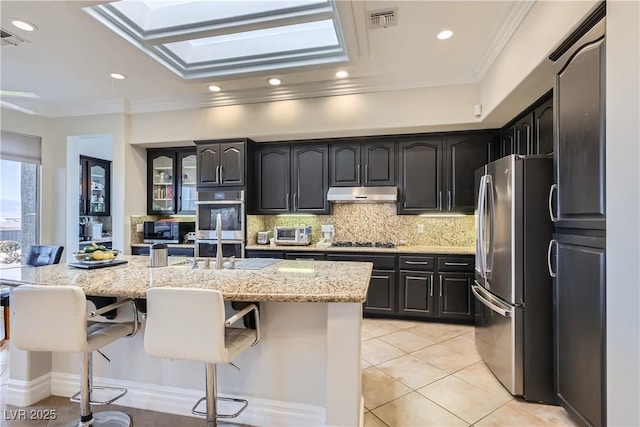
(623,213)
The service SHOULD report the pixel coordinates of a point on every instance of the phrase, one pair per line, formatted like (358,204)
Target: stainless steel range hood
(362,194)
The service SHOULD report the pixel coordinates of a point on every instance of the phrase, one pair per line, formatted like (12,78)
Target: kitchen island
(304,371)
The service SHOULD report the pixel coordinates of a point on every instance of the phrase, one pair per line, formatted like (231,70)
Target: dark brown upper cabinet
(171,181)
(95,186)
(292,178)
(222,163)
(368,162)
(436,173)
(543,128)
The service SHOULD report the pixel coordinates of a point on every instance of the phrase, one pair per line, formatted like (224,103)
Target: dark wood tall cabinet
(580,325)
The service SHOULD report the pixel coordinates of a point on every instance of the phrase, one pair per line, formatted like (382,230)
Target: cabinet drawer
(380,262)
(317,256)
(264,254)
(456,263)
(416,262)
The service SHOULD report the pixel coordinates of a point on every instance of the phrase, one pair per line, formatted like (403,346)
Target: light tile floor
(414,374)
(423,374)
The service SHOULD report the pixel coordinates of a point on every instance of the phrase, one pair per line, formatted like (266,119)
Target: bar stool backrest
(40,255)
(49,318)
(186,324)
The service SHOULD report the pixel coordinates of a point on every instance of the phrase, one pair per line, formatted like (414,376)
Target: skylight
(211,38)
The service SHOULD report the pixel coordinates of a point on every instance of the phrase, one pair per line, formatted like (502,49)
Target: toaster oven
(297,235)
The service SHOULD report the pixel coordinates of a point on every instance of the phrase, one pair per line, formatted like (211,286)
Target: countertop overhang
(284,281)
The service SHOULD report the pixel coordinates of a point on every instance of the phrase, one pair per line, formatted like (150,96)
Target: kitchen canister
(158,255)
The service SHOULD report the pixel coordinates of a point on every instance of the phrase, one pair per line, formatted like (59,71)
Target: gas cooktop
(364,244)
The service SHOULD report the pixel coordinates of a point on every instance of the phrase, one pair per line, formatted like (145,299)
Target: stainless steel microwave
(287,235)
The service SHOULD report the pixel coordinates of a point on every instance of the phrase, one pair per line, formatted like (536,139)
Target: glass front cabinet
(171,181)
(95,186)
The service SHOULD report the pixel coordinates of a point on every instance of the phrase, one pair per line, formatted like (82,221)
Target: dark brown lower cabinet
(416,294)
(381,297)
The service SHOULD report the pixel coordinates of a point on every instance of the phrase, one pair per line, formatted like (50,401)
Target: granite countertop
(437,250)
(284,281)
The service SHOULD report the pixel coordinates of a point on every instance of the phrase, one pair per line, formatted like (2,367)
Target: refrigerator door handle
(480,234)
(478,291)
(549,250)
(553,188)
(488,261)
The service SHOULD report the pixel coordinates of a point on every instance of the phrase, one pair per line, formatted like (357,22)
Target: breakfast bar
(304,371)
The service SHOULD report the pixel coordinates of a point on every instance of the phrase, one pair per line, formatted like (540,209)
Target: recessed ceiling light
(23,25)
(443,35)
(274,81)
(118,76)
(215,88)
(342,74)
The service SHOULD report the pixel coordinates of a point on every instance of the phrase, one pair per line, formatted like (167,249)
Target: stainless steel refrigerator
(512,288)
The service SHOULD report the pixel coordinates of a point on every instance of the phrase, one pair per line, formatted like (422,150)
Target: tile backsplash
(376,223)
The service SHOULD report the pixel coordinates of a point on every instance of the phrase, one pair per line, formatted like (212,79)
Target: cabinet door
(310,179)
(524,135)
(186,182)
(99,190)
(345,165)
(381,296)
(208,165)
(420,174)
(416,294)
(579,319)
(272,179)
(508,141)
(160,182)
(580,147)
(454,296)
(543,128)
(379,161)
(232,168)
(464,155)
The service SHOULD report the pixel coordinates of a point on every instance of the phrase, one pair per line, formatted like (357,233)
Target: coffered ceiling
(67,61)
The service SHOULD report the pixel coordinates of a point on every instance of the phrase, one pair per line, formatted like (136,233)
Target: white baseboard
(25,393)
(179,401)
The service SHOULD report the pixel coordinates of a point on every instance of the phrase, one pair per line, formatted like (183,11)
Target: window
(210,38)
(19,196)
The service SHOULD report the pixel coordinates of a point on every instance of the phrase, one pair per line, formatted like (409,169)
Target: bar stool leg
(211,394)
(85,388)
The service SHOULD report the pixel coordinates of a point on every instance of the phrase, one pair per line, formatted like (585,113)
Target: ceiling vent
(383,18)
(10,39)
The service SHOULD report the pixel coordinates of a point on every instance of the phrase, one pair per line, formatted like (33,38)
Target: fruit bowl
(96,256)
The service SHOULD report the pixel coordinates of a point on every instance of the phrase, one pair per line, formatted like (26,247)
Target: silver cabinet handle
(217,174)
(553,188)
(417,262)
(287,200)
(440,286)
(461,264)
(379,277)
(430,286)
(549,250)
(366,173)
(295,207)
(358,175)
(449,200)
(221,173)
(439,200)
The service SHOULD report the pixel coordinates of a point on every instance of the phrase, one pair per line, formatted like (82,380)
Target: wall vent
(9,39)
(383,18)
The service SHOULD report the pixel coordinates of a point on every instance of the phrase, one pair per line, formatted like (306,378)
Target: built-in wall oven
(231,207)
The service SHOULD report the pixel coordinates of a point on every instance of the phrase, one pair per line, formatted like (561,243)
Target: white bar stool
(190,324)
(55,318)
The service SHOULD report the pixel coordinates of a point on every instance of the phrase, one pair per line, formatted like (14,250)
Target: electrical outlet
(420,228)
(140,228)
